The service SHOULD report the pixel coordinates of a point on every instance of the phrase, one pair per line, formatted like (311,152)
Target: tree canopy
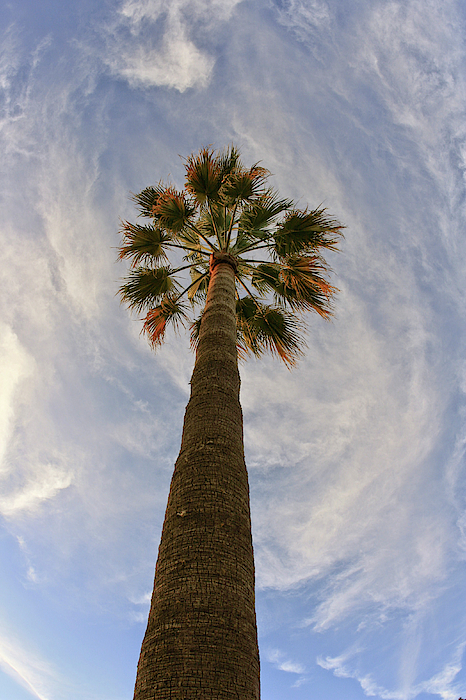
(228,212)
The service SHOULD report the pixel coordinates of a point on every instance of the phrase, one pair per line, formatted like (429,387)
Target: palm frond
(144,287)
(305,232)
(189,238)
(243,185)
(260,213)
(173,210)
(203,176)
(305,285)
(195,329)
(142,244)
(155,324)
(199,284)
(211,221)
(147,199)
(298,283)
(228,161)
(266,277)
(262,328)
(244,270)
(241,243)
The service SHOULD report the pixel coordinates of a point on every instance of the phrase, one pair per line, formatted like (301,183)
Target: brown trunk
(201,639)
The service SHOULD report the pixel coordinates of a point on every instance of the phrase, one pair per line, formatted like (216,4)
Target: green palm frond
(203,176)
(145,287)
(142,244)
(306,231)
(188,238)
(263,328)
(147,199)
(211,221)
(173,210)
(259,214)
(228,161)
(242,185)
(240,244)
(266,277)
(195,329)
(298,283)
(171,310)
(244,271)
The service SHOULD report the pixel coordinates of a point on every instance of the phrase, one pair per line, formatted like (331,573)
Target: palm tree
(253,263)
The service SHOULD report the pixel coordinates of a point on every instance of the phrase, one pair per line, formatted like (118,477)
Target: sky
(356,457)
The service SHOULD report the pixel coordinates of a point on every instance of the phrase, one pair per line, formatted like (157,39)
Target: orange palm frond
(155,323)
(243,185)
(203,175)
(173,210)
(147,199)
(264,328)
(306,231)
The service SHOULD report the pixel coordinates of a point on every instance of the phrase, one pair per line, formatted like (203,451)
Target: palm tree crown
(228,213)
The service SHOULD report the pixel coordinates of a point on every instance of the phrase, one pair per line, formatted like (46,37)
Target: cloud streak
(441,684)
(150,44)
(26,667)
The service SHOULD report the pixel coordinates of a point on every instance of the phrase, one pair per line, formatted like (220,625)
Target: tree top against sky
(229,212)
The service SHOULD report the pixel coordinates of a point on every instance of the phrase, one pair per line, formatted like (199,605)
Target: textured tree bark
(201,638)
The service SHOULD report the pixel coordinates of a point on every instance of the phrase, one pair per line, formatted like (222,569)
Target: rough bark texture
(201,639)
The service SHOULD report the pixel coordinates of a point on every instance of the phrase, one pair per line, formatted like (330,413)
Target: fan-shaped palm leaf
(147,200)
(259,214)
(305,231)
(242,185)
(264,328)
(173,210)
(206,172)
(145,287)
(298,283)
(156,321)
(142,244)
(197,291)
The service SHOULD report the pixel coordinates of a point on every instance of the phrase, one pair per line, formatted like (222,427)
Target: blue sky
(356,457)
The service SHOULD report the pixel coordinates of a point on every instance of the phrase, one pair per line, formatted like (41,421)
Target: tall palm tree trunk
(201,638)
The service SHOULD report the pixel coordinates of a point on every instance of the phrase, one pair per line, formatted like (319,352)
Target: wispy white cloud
(336,478)
(414,57)
(49,480)
(359,448)
(283,663)
(27,667)
(442,684)
(304,19)
(151,42)
(16,364)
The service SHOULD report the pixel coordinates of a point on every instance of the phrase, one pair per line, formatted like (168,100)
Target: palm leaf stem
(196,281)
(214,224)
(248,260)
(230,228)
(255,247)
(185,247)
(250,293)
(196,231)
(184,267)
